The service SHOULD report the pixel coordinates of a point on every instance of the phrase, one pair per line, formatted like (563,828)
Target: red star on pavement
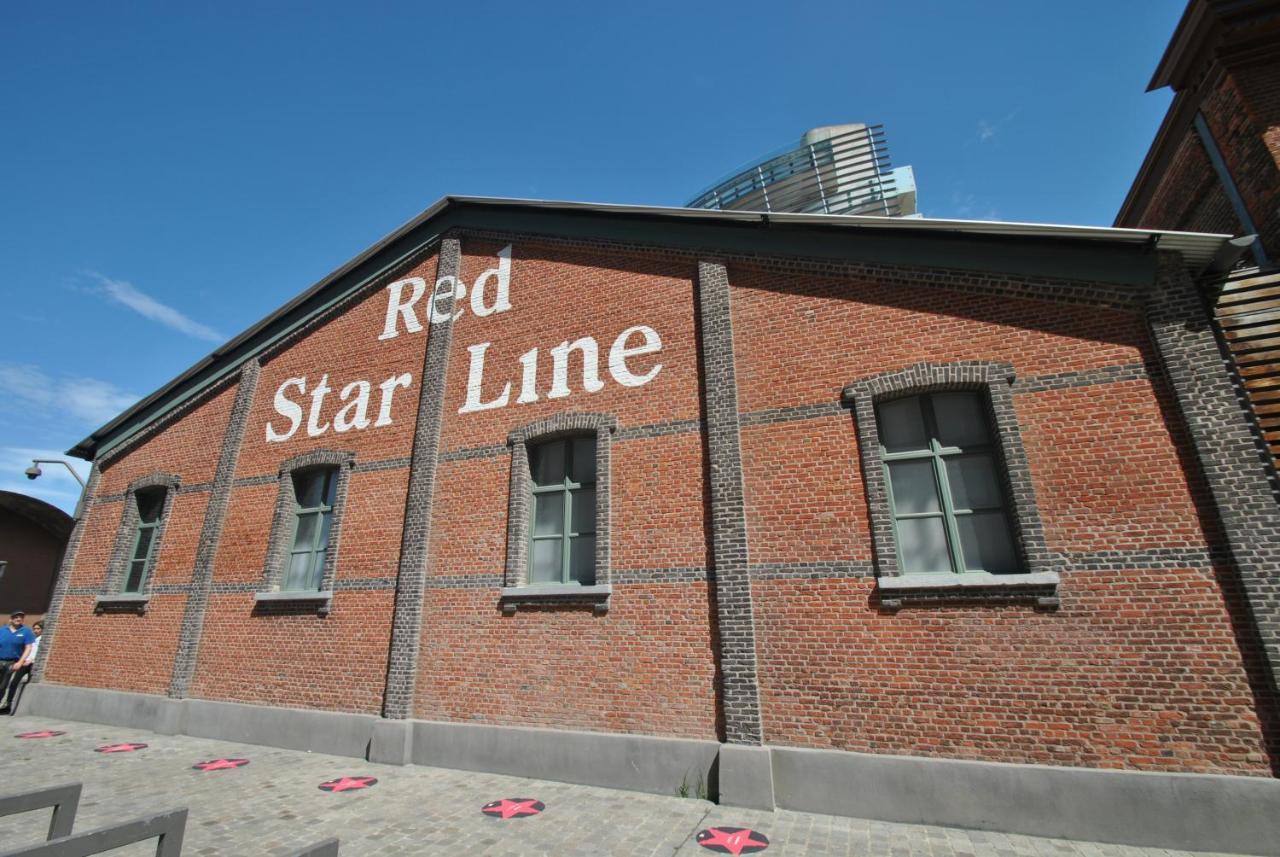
(517,807)
(220,764)
(120,748)
(43,733)
(733,840)
(346,784)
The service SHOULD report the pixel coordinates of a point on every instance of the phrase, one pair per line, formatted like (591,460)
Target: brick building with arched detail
(906,519)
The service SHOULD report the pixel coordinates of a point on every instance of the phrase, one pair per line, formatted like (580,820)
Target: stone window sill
(321,600)
(595,597)
(121,602)
(983,587)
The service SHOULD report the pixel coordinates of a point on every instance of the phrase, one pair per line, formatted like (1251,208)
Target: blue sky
(174,172)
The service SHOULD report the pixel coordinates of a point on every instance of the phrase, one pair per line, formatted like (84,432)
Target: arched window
(150,506)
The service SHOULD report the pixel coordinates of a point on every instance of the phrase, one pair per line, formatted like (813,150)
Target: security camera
(33,472)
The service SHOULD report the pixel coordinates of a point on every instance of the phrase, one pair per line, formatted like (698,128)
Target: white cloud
(148,307)
(87,399)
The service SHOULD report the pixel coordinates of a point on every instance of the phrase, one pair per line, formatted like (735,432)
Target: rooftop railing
(847,173)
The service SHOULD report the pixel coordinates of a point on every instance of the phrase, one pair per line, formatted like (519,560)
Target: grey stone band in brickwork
(63,582)
(661,429)
(646,576)
(278,545)
(1158,558)
(790,414)
(384,464)
(995,379)
(520,496)
(1227,448)
(740,694)
(1086,378)
(127,529)
(467,453)
(406,621)
(184,663)
(812,570)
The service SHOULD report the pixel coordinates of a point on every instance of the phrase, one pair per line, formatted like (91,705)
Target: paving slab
(274,805)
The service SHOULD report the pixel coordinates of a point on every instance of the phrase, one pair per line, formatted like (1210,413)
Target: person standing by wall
(17,645)
(23,667)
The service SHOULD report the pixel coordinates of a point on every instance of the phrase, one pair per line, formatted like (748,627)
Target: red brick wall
(1139,668)
(1188,196)
(648,665)
(294,657)
(129,652)
(1243,114)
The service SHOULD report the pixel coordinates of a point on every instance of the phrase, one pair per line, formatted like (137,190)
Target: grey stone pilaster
(406,622)
(740,692)
(1226,446)
(184,662)
(50,638)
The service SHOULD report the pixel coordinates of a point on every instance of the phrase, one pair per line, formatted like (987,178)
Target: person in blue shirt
(16,640)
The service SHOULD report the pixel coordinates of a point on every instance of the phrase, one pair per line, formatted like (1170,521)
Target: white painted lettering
(353,414)
(619,353)
(397,309)
(448,288)
(560,367)
(528,377)
(317,401)
(388,387)
(286,407)
(502,273)
(475,380)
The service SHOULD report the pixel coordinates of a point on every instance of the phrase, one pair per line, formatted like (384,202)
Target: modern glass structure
(836,169)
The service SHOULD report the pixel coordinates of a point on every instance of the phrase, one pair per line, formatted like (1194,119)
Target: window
(945,485)
(558,513)
(314,491)
(150,506)
(302,551)
(563,536)
(146,508)
(952,505)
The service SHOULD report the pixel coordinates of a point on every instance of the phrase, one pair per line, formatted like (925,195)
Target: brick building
(1214,165)
(828,512)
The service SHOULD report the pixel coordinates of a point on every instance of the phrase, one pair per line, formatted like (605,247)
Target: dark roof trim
(1084,253)
(1173,130)
(1191,38)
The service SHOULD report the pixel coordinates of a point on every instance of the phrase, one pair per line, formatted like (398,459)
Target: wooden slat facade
(1247,310)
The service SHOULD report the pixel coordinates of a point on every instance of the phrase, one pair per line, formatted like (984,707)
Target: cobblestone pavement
(274,805)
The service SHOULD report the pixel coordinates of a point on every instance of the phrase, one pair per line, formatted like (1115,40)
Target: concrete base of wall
(746,776)
(1198,812)
(635,762)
